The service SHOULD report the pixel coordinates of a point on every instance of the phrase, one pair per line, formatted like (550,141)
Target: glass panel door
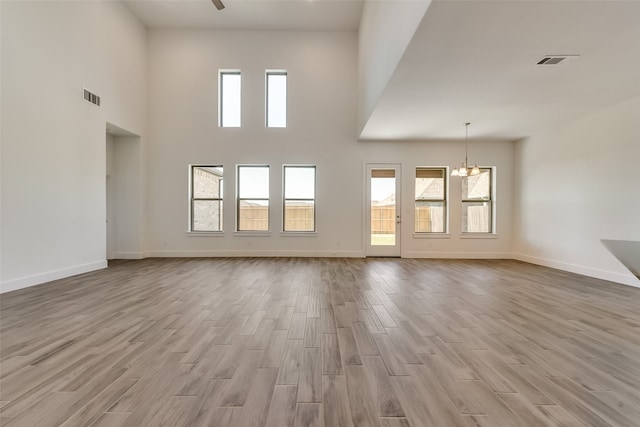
(383,210)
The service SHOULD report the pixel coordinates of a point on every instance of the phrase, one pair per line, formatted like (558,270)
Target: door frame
(382,250)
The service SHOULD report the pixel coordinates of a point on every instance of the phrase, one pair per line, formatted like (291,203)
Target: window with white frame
(276,99)
(253,198)
(431,200)
(206,198)
(299,213)
(477,202)
(229,98)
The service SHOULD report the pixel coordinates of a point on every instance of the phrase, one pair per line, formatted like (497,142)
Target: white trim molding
(625,279)
(37,279)
(431,235)
(205,233)
(129,255)
(456,255)
(264,253)
(478,236)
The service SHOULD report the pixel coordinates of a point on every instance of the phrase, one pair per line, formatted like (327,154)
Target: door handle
(398,221)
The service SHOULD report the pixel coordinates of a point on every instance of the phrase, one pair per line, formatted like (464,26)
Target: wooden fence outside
(383,219)
(297,218)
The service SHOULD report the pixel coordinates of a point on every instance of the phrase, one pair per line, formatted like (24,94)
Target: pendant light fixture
(465,169)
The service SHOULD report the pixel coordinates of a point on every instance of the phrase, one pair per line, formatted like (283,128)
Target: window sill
(478,236)
(252,234)
(431,235)
(298,234)
(205,233)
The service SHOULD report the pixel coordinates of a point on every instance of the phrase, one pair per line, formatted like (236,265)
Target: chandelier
(465,168)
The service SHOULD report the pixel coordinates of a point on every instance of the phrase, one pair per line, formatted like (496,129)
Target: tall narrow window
(253,198)
(477,202)
(206,198)
(229,99)
(431,200)
(299,198)
(276,105)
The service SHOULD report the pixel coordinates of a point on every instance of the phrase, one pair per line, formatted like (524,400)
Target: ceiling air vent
(556,59)
(90,97)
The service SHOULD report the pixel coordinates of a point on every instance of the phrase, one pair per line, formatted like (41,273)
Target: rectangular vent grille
(90,97)
(556,59)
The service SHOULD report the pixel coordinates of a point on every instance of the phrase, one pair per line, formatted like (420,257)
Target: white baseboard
(245,253)
(456,255)
(129,255)
(25,282)
(611,276)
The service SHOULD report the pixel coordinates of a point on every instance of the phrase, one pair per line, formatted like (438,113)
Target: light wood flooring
(321,342)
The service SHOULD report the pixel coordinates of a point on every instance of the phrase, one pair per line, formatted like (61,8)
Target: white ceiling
(469,61)
(475,61)
(291,15)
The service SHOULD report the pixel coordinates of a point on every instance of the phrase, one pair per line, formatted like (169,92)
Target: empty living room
(281,213)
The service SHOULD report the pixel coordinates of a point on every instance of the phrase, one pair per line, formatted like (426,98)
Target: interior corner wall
(386,28)
(53,142)
(577,185)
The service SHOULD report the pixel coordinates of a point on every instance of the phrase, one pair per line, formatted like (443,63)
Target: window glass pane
(476,217)
(207,215)
(206,198)
(207,182)
(383,208)
(230,96)
(253,215)
(477,187)
(299,215)
(276,100)
(429,217)
(430,195)
(253,182)
(430,186)
(299,182)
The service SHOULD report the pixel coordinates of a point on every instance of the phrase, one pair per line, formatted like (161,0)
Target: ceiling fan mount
(218,4)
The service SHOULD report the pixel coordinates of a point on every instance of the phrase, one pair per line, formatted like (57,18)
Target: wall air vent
(556,59)
(90,97)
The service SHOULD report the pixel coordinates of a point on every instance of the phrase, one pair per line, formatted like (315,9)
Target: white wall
(53,142)
(183,91)
(111,200)
(454,244)
(386,28)
(578,184)
(53,217)
(124,204)
(183,67)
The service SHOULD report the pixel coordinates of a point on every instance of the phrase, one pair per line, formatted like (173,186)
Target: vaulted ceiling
(469,61)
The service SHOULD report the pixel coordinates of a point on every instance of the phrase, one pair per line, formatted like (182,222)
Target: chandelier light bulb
(465,169)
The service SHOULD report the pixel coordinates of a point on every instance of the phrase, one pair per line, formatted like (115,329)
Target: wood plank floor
(321,342)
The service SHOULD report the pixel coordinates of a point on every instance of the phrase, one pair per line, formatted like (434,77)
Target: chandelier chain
(465,169)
